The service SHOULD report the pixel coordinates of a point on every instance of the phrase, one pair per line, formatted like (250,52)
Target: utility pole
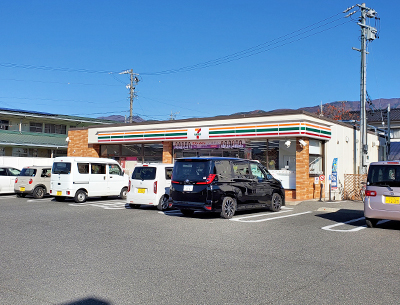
(368,33)
(131,87)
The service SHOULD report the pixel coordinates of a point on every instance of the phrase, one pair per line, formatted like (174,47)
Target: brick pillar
(167,152)
(304,184)
(78,145)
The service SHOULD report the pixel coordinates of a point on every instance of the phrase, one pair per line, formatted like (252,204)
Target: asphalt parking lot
(102,252)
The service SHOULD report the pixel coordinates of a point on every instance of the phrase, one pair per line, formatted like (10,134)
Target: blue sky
(64,57)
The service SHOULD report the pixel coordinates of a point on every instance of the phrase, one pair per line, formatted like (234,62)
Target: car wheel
(123,193)
(134,206)
(371,222)
(228,207)
(276,203)
(80,196)
(21,195)
(163,203)
(60,198)
(186,212)
(38,192)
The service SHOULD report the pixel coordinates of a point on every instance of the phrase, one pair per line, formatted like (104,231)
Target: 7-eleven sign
(198,133)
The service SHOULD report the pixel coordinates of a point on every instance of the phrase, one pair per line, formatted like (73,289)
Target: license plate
(392,200)
(22,189)
(59,193)
(188,188)
(141,191)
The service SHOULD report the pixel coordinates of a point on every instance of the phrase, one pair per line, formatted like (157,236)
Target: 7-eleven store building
(297,147)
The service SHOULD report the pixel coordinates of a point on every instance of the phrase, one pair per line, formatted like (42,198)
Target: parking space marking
(242,219)
(102,204)
(7,197)
(329,228)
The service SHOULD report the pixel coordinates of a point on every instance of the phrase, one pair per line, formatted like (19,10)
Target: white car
(149,185)
(7,179)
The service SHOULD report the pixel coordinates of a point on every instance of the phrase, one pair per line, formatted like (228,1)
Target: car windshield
(61,168)
(192,170)
(29,172)
(144,173)
(384,175)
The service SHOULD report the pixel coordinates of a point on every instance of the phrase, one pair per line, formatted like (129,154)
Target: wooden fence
(353,186)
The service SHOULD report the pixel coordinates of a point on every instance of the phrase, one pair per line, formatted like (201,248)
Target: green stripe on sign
(245,130)
(132,136)
(289,128)
(266,129)
(222,132)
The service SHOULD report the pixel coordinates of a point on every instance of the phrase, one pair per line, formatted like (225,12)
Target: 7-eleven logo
(197,133)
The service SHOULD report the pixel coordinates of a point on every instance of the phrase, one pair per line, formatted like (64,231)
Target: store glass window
(133,150)
(108,151)
(316,157)
(266,151)
(152,152)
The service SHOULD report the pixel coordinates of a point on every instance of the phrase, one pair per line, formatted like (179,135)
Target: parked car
(382,193)
(7,179)
(223,185)
(149,185)
(82,177)
(33,180)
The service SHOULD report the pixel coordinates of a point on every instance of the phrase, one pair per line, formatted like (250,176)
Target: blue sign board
(334,173)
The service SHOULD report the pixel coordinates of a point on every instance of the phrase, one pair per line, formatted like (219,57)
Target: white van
(150,185)
(82,177)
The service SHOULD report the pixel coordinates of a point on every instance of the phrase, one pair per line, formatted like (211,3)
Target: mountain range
(381,103)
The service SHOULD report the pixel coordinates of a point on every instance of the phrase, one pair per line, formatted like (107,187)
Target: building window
(54,128)
(4,124)
(316,157)
(35,127)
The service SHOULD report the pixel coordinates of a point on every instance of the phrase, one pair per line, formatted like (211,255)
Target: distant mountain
(121,118)
(349,105)
(381,103)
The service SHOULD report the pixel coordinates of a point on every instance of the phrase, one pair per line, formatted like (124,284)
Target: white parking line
(329,228)
(240,219)
(102,204)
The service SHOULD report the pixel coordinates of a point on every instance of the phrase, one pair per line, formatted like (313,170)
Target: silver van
(33,180)
(382,193)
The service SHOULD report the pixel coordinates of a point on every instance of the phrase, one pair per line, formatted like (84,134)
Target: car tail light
(51,191)
(155,187)
(209,179)
(129,185)
(16,180)
(68,192)
(30,181)
(370,193)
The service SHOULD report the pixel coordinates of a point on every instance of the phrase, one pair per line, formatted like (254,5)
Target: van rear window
(191,170)
(63,168)
(384,175)
(144,173)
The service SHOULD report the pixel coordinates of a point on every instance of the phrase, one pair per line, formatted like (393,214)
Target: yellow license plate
(22,189)
(392,200)
(141,191)
(59,193)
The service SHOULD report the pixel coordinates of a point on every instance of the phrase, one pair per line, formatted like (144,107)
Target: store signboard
(334,173)
(209,144)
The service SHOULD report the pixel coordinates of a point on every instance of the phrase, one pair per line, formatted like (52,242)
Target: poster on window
(209,144)
(334,183)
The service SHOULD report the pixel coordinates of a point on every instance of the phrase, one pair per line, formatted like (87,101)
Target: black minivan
(223,185)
